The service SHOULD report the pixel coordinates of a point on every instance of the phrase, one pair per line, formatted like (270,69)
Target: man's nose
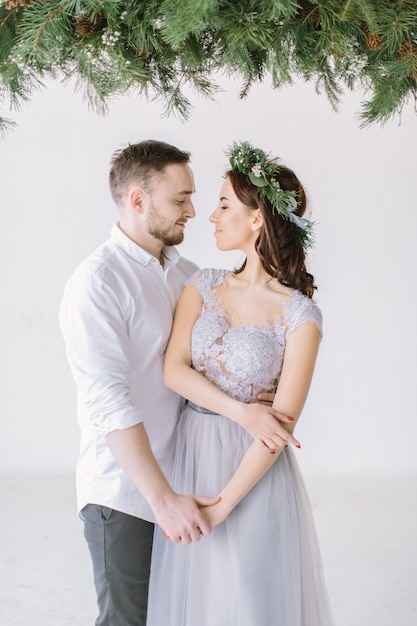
(190,211)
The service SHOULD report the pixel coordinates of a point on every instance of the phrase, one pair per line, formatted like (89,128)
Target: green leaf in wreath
(258,181)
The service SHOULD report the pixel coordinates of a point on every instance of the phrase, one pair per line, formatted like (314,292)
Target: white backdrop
(360,418)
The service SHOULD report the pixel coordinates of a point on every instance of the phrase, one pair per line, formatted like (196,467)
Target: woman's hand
(265,425)
(215,514)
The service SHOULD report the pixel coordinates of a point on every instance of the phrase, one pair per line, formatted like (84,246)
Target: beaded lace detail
(243,360)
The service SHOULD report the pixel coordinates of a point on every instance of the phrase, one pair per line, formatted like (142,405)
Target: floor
(367,530)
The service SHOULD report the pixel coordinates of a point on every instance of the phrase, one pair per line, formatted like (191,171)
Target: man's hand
(266,397)
(265,425)
(181,518)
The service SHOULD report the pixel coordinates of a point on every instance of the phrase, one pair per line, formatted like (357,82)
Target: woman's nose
(212,217)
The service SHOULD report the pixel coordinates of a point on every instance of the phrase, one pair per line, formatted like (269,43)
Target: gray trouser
(120,547)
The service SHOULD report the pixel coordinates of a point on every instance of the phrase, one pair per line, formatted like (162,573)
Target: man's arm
(98,351)
(177,514)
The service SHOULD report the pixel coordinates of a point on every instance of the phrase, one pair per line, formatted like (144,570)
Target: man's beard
(158,229)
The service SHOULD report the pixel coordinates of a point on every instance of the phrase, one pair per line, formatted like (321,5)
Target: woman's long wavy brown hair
(279,247)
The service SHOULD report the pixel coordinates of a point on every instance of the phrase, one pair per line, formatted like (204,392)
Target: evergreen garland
(156,47)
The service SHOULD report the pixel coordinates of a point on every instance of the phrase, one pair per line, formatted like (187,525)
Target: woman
(237,334)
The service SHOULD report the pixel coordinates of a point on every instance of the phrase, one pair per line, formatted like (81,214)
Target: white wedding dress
(262,566)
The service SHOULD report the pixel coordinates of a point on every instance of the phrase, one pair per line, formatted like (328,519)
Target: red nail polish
(290,418)
(298,446)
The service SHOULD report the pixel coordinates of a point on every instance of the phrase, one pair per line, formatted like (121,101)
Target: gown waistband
(200,409)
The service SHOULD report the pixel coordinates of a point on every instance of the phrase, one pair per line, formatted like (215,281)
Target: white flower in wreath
(257,170)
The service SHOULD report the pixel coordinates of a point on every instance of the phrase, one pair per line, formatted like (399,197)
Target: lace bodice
(243,360)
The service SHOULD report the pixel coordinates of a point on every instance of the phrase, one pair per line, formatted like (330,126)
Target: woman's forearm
(191,385)
(253,466)
(261,422)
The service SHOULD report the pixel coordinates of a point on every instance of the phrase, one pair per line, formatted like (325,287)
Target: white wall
(56,208)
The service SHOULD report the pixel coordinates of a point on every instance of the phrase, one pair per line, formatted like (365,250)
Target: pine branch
(5,126)
(185,17)
(386,103)
(156,48)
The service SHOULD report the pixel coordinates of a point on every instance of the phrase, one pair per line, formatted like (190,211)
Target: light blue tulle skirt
(262,566)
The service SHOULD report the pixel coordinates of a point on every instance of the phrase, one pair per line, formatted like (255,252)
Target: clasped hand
(181,517)
(270,428)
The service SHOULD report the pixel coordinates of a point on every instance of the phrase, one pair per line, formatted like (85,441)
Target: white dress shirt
(116,318)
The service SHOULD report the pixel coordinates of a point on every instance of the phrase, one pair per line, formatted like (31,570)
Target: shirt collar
(170,253)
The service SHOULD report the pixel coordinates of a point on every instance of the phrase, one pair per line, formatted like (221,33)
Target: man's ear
(136,199)
(257,219)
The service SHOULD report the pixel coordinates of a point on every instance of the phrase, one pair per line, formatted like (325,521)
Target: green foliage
(264,173)
(156,48)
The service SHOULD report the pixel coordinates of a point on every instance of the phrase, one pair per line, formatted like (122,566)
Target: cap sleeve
(205,280)
(301,309)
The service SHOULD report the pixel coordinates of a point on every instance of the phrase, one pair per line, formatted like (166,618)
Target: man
(116,318)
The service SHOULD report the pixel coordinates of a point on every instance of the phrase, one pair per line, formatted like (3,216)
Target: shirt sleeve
(97,344)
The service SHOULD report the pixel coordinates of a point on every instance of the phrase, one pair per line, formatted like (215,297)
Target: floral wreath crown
(263,174)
